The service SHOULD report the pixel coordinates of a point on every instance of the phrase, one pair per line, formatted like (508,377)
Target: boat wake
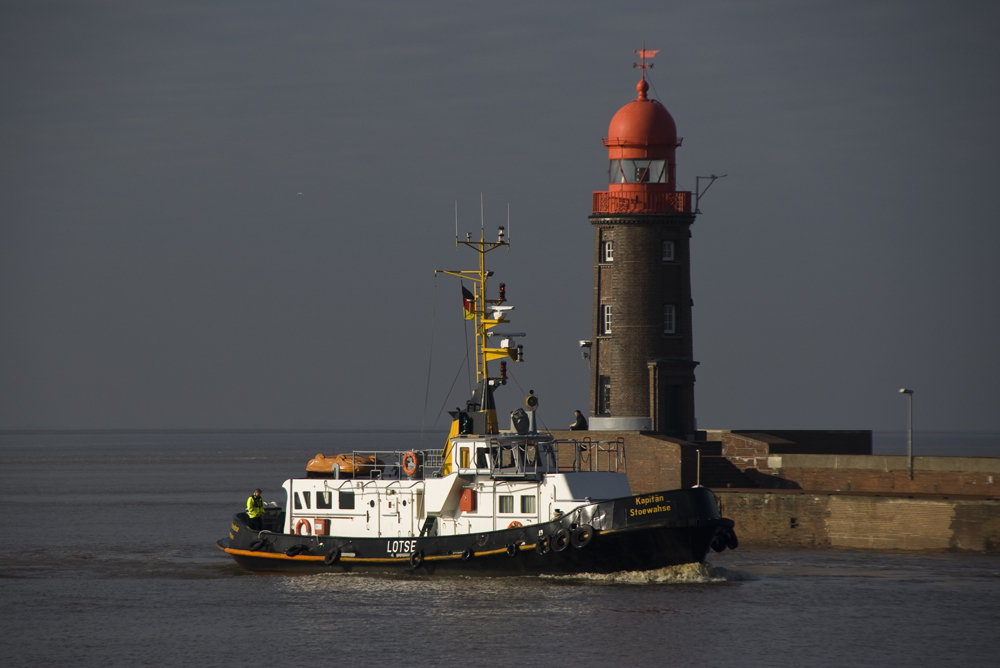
(680,574)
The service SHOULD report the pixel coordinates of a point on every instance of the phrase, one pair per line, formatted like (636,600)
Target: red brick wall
(745,452)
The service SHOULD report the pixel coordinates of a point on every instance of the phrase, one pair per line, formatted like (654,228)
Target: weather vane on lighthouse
(643,55)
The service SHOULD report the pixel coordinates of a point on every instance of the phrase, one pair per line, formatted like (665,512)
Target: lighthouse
(642,369)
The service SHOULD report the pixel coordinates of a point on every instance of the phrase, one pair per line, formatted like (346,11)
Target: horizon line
(227,430)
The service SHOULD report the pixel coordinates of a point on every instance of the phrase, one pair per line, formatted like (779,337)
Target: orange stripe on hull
(378,560)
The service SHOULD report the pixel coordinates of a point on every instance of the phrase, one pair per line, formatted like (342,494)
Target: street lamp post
(909,428)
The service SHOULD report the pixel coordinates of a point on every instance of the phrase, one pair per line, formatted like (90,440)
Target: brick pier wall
(979,476)
(817,520)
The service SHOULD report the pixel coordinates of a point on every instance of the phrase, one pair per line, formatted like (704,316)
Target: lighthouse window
(506,503)
(606,319)
(669,319)
(528,504)
(638,171)
(324,500)
(668,251)
(346,501)
(609,251)
(604,395)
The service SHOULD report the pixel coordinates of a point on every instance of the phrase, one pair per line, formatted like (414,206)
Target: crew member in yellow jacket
(255,511)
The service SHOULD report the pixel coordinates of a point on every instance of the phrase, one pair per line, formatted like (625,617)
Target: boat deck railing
(501,457)
(390,465)
(585,454)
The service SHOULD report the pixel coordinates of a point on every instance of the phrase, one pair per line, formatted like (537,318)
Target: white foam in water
(680,574)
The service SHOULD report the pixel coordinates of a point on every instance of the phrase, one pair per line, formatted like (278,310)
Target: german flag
(469,304)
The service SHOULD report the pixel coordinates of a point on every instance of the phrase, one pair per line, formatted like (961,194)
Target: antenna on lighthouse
(508,227)
(456,224)
(698,192)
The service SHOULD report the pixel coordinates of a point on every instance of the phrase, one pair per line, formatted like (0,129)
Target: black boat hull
(635,533)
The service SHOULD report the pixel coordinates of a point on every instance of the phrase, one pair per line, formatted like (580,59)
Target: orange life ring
(410,463)
(299,525)
(514,525)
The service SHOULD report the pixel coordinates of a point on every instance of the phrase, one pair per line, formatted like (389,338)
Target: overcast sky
(227,214)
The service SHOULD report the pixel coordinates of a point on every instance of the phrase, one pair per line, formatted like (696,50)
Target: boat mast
(487,313)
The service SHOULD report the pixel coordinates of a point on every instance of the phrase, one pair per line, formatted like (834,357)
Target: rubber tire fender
(512,550)
(416,559)
(296,550)
(468,554)
(582,536)
(543,546)
(732,542)
(332,557)
(560,540)
(257,544)
(719,540)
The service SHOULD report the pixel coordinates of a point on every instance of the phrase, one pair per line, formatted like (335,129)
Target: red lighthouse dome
(642,141)
(642,128)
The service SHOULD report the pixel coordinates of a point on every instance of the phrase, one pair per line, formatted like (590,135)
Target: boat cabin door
(396,512)
(372,512)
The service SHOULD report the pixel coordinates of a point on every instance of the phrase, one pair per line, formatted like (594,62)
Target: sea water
(108,558)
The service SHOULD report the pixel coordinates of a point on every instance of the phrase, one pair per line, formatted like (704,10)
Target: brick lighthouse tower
(642,371)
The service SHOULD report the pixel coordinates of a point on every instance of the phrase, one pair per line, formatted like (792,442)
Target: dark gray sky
(158,268)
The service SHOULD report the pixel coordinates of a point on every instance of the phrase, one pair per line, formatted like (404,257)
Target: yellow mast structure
(488,314)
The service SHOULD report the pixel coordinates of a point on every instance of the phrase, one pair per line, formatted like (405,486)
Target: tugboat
(490,502)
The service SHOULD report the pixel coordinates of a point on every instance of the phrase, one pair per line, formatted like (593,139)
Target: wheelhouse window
(324,500)
(668,251)
(638,171)
(608,251)
(528,504)
(346,501)
(606,319)
(669,319)
(506,503)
